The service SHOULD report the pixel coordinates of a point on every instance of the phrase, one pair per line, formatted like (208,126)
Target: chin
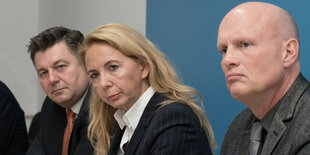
(61,101)
(237,93)
(115,105)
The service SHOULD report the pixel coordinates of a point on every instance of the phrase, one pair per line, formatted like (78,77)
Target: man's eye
(43,74)
(113,67)
(223,50)
(245,44)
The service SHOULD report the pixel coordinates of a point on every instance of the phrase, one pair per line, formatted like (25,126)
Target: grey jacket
(289,133)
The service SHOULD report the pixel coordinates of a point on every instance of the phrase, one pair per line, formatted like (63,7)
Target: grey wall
(21,20)
(87,15)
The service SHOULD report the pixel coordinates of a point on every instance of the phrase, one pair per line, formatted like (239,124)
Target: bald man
(259,44)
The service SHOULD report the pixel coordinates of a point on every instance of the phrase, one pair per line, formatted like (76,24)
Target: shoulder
(303,107)
(237,135)
(8,101)
(175,114)
(3,86)
(243,121)
(241,124)
(300,118)
(5,92)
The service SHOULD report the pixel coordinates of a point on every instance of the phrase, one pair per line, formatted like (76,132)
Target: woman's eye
(94,76)
(113,67)
(60,66)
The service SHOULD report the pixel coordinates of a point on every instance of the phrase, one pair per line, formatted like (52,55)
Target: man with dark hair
(64,114)
(14,140)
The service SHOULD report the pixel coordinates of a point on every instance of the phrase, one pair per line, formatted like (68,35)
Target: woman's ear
(144,66)
(291,52)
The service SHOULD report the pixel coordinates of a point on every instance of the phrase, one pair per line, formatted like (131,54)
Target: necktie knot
(70,116)
(257,132)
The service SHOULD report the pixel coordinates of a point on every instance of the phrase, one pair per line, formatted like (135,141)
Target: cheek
(223,67)
(44,85)
(99,91)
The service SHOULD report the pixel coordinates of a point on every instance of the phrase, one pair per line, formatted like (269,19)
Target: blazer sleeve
(177,130)
(14,138)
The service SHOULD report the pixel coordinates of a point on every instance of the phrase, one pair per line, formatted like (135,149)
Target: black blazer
(53,123)
(14,138)
(172,129)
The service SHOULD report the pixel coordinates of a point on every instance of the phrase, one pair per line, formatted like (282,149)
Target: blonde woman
(139,106)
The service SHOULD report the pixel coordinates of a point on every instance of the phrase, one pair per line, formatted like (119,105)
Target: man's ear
(144,66)
(290,53)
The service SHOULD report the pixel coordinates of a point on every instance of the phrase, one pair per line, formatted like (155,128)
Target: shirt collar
(76,107)
(132,116)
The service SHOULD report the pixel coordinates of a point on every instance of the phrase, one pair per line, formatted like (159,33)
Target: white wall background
(21,20)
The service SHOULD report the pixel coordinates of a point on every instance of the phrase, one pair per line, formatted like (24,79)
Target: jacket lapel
(145,120)
(53,118)
(285,112)
(274,134)
(116,142)
(81,121)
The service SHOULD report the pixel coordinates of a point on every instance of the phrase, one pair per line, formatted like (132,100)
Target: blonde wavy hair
(162,77)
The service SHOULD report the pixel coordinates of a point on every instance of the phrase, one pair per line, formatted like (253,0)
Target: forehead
(245,23)
(103,52)
(53,54)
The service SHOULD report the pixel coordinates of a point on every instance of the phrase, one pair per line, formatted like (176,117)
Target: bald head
(277,20)
(259,46)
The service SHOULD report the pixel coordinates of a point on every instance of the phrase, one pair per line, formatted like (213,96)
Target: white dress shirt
(130,119)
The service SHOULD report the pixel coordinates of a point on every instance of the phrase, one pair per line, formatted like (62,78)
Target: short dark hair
(54,35)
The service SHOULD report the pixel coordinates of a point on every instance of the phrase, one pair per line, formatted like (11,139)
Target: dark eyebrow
(60,61)
(54,64)
(40,69)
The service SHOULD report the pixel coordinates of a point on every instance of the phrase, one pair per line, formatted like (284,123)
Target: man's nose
(53,77)
(230,58)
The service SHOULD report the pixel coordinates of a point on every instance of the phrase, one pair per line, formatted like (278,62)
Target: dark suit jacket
(53,123)
(14,138)
(289,133)
(172,129)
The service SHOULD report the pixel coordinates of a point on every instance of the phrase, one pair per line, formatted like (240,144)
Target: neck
(266,100)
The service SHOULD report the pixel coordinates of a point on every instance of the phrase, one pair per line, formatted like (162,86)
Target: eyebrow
(220,46)
(54,64)
(105,65)
(60,61)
